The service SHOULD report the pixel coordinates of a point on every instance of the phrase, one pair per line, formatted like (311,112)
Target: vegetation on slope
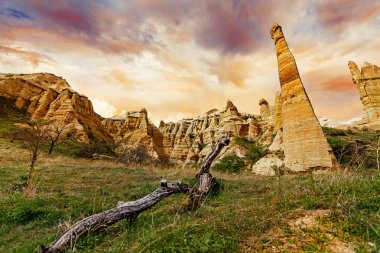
(243,216)
(355,149)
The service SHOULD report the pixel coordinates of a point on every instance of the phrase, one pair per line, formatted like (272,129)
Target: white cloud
(103,108)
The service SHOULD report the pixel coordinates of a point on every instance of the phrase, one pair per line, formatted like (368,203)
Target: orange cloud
(338,84)
(233,70)
(29,56)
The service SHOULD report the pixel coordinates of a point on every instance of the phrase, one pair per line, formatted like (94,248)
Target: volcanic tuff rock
(46,96)
(191,139)
(131,129)
(305,146)
(367,81)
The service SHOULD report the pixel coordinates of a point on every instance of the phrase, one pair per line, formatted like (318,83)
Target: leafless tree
(32,136)
(54,134)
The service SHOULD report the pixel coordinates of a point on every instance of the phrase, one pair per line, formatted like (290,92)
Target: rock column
(368,82)
(305,146)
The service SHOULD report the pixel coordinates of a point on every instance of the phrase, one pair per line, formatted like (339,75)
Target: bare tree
(54,133)
(32,137)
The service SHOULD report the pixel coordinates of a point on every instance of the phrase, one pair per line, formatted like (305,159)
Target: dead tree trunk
(205,181)
(132,209)
(123,210)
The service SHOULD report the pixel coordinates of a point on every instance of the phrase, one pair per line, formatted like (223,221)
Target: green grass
(354,149)
(241,217)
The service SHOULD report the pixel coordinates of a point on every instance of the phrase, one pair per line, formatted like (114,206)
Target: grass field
(331,212)
(249,214)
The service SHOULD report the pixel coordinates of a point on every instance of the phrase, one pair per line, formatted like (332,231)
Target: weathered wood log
(123,210)
(204,176)
(130,210)
(205,181)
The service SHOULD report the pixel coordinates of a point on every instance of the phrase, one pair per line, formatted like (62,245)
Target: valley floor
(336,212)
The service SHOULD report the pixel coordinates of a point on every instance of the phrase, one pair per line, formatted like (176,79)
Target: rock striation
(46,96)
(367,81)
(134,128)
(304,144)
(189,140)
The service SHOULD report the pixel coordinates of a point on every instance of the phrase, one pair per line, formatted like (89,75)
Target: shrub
(201,146)
(138,154)
(255,150)
(163,162)
(230,163)
(95,147)
(241,141)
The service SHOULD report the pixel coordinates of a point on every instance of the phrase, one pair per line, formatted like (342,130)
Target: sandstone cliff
(46,96)
(367,81)
(131,129)
(305,146)
(190,140)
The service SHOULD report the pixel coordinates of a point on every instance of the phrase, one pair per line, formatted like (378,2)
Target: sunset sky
(181,58)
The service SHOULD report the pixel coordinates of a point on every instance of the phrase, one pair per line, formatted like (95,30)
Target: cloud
(230,26)
(338,14)
(85,23)
(29,56)
(233,70)
(14,13)
(103,108)
(181,58)
(338,84)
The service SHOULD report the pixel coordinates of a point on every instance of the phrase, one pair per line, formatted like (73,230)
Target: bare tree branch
(32,137)
(132,209)
(55,133)
(128,210)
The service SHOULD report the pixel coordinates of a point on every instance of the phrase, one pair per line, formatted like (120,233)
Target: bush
(137,154)
(230,163)
(164,162)
(95,147)
(255,150)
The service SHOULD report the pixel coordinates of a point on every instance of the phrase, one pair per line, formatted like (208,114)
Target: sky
(181,58)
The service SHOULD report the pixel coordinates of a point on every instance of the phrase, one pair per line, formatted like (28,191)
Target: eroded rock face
(265,110)
(188,140)
(46,96)
(367,81)
(131,129)
(305,146)
(277,112)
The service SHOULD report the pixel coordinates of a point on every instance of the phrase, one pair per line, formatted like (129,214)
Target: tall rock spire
(367,81)
(305,146)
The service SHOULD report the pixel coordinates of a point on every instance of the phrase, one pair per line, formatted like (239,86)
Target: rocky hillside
(191,139)
(46,96)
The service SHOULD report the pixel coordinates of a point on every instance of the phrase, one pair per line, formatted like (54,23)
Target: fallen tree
(130,210)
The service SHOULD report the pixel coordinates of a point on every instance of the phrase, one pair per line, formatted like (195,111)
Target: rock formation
(367,81)
(265,110)
(277,112)
(305,146)
(189,140)
(131,129)
(46,96)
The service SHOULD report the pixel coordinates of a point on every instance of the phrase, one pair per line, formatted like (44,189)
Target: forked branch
(130,210)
